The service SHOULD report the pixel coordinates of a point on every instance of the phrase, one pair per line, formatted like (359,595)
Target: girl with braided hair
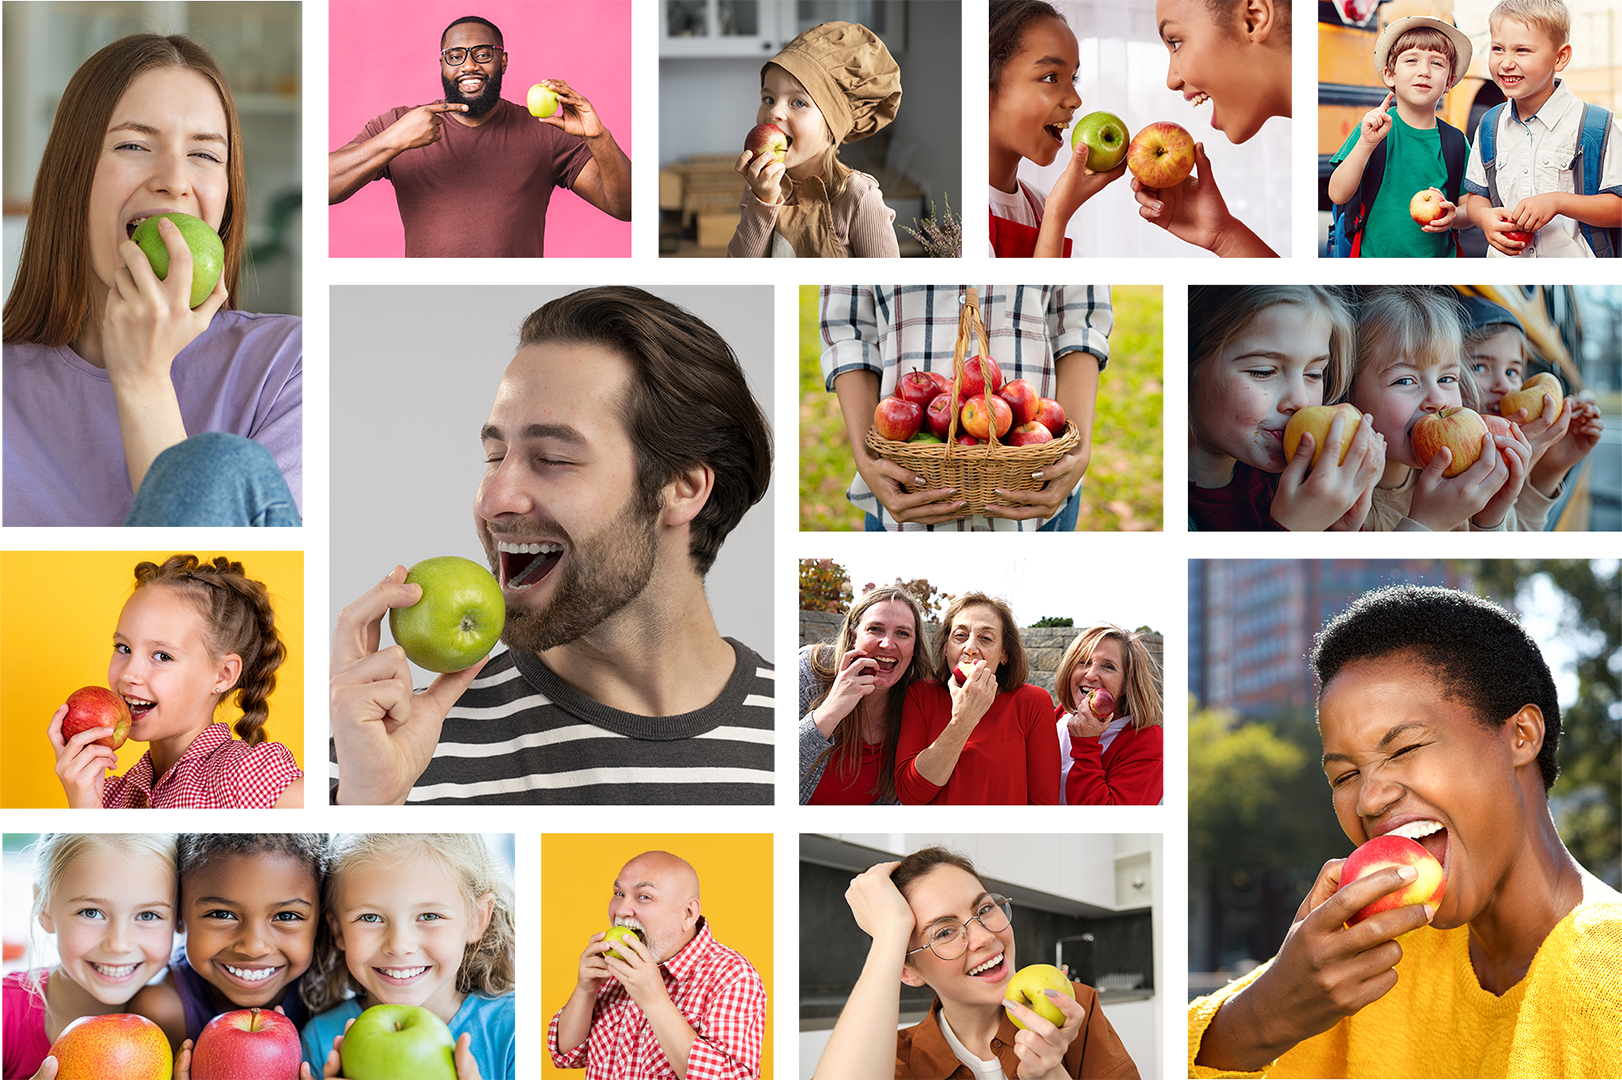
(192,634)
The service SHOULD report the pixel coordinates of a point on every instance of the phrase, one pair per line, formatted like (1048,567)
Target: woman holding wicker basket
(1055,337)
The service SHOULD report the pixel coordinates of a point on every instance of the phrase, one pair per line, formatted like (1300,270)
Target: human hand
(182,1067)
(1193,211)
(887,480)
(854,682)
(636,969)
(384,733)
(1328,496)
(1078,183)
(421,126)
(1536,211)
(1041,1046)
(1583,434)
(1058,481)
(1495,222)
(1450,213)
(47,1069)
(1443,503)
(81,762)
(147,321)
(1546,428)
(1082,724)
(466,1067)
(972,700)
(1516,454)
(592,970)
(575,114)
(764,175)
(1376,123)
(877,905)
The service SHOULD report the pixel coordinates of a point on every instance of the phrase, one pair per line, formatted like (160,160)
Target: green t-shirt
(1413,162)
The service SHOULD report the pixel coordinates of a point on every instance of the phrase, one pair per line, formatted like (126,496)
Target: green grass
(1124,487)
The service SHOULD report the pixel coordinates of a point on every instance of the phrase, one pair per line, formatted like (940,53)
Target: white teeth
(1199,99)
(403,973)
(138,702)
(545,548)
(251,974)
(114,972)
(993,962)
(1415,829)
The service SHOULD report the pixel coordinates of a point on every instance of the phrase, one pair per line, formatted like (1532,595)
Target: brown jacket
(922,1053)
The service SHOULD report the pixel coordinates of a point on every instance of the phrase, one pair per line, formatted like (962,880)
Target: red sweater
(1011,757)
(1130,773)
(1245,503)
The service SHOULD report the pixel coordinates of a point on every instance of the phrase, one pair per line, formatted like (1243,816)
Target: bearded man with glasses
(473,174)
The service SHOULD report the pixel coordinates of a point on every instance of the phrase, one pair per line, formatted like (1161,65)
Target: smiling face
(1523,61)
(1208,62)
(976,634)
(1035,97)
(162,667)
(250,925)
(888,633)
(784,102)
(403,926)
(165,149)
(1397,394)
(113,914)
(1104,670)
(942,901)
(657,894)
(1419,77)
(1242,396)
(558,510)
(1496,365)
(470,83)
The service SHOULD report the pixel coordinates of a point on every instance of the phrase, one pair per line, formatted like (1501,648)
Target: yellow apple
(1317,419)
(1027,986)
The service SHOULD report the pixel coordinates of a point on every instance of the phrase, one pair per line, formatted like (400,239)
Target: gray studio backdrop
(414,373)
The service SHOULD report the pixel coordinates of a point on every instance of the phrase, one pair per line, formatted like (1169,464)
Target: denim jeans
(1063,521)
(214,478)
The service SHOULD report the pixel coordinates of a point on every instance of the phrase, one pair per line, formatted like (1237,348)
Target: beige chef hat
(849,74)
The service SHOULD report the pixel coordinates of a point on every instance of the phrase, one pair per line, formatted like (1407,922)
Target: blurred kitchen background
(259,48)
(710,55)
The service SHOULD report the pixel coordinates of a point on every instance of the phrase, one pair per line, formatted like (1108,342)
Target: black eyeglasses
(949,939)
(482,54)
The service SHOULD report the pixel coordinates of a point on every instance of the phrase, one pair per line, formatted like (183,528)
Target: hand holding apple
(1029,987)
(542,101)
(1442,503)
(1458,429)
(97,707)
(1193,211)
(1161,155)
(573,114)
(199,239)
(973,689)
(459,618)
(631,962)
(1515,459)
(81,762)
(1318,420)
(398,1042)
(1386,851)
(1332,495)
(1106,137)
(853,682)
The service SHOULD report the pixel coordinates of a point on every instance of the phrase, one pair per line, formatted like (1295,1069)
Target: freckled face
(1497,366)
(1035,96)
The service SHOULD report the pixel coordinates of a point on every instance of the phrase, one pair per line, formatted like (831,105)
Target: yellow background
(577,882)
(58,610)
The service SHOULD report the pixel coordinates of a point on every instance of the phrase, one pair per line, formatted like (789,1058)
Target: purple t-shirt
(24,1023)
(199,1007)
(480,192)
(64,457)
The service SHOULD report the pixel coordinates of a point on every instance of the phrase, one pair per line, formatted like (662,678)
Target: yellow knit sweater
(1564,1019)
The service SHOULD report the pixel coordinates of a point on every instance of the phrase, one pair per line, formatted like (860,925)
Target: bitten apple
(618,933)
(97,707)
(1317,419)
(766,139)
(1426,207)
(121,1045)
(1161,155)
(1026,988)
(1101,703)
(247,1044)
(1455,427)
(1389,850)
(897,419)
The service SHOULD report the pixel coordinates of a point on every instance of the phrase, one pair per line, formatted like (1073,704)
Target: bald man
(667,1001)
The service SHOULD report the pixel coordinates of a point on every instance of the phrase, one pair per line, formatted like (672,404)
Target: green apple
(458,619)
(398,1042)
(1026,988)
(543,100)
(1106,137)
(618,933)
(207,253)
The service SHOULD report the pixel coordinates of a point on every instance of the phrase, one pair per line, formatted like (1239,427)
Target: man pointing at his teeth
(474,173)
(600,524)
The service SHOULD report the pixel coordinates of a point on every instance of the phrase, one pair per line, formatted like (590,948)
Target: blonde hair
(1141,695)
(487,966)
(53,853)
(1551,17)
(835,173)
(1420,322)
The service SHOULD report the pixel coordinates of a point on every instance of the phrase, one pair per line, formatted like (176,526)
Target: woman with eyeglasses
(933,923)
(124,404)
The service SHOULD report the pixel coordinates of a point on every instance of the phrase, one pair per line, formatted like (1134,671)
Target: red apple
(1457,428)
(977,421)
(1497,425)
(1520,236)
(1389,850)
(97,707)
(1051,416)
(120,1045)
(1101,703)
(1161,155)
(766,139)
(943,385)
(1317,419)
(918,387)
(1028,434)
(939,415)
(974,378)
(897,419)
(968,440)
(1426,206)
(247,1044)
(1022,398)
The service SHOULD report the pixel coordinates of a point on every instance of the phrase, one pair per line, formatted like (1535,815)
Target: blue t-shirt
(491,1022)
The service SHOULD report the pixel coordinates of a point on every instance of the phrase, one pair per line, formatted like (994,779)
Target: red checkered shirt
(715,989)
(216,772)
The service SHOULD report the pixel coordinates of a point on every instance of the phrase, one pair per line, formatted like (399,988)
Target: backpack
(1346,226)
(1586,164)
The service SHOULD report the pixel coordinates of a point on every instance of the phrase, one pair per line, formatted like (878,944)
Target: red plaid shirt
(216,772)
(716,990)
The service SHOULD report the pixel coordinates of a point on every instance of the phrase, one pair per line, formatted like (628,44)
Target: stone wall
(1044,646)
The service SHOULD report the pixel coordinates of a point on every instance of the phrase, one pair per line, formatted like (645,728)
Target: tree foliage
(824,586)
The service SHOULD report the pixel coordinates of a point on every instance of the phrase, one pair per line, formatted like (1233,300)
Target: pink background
(385,54)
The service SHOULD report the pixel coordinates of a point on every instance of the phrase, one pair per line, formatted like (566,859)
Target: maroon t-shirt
(481,192)
(1245,503)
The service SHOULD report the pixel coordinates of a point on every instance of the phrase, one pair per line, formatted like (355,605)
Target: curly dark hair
(1480,654)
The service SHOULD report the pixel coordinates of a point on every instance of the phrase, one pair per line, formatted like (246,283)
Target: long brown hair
(51,296)
(845,754)
(1014,671)
(1140,682)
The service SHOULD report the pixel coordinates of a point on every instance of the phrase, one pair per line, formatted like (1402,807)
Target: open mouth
(526,565)
(470,84)
(1198,98)
(991,970)
(250,976)
(1055,132)
(139,707)
(400,974)
(113,972)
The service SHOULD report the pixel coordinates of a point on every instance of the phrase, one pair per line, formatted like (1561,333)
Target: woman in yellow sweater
(1439,718)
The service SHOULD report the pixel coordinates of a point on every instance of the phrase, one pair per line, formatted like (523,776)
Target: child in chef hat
(833,84)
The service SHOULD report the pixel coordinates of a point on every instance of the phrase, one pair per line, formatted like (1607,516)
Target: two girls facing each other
(884,720)
(1233,53)
(835,83)
(296,922)
(1258,353)
(190,635)
(122,403)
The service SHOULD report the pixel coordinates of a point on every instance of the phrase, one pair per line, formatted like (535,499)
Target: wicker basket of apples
(971,432)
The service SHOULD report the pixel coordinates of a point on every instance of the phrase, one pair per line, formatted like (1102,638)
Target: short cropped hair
(1423,37)
(1479,653)
(689,403)
(494,29)
(1014,671)
(1550,17)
